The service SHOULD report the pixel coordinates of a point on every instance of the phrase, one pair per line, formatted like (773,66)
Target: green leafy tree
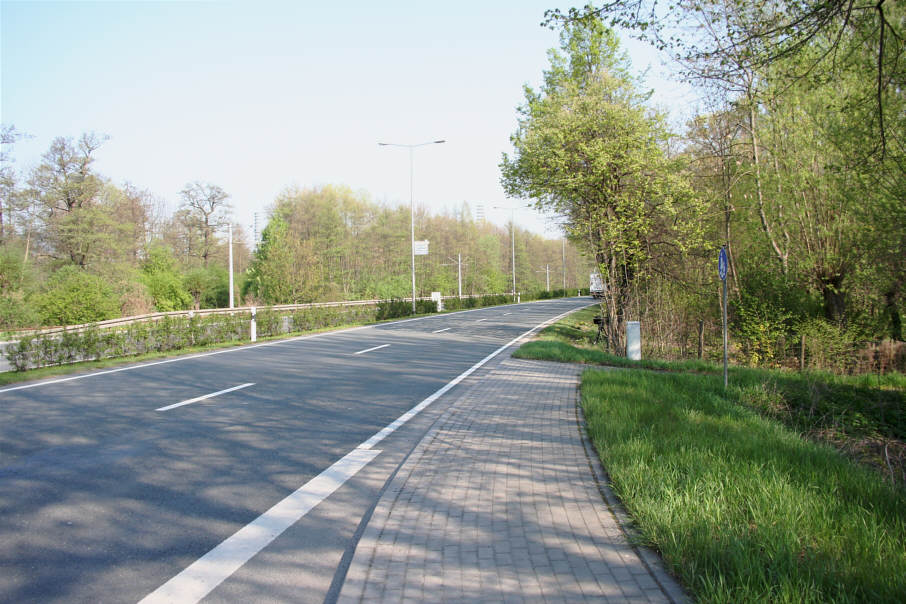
(67,190)
(208,287)
(284,269)
(73,296)
(731,39)
(15,278)
(588,149)
(163,280)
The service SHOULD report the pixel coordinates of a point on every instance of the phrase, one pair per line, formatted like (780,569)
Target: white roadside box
(633,340)
(436,297)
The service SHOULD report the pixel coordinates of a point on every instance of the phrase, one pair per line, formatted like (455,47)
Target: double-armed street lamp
(412,203)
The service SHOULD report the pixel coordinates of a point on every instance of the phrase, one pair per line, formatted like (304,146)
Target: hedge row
(173,333)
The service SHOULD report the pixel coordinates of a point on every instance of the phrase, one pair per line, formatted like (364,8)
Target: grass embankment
(742,507)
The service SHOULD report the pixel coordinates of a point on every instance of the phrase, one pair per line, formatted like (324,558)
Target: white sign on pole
(421,247)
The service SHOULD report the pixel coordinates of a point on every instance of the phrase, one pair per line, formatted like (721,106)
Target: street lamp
(231,261)
(512,241)
(412,204)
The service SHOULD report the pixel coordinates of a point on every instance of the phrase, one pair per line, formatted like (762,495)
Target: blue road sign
(722,264)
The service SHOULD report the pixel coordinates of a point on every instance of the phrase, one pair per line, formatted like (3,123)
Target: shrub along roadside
(181,333)
(740,506)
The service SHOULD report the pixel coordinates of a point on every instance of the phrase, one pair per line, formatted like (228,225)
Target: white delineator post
(253,328)
(633,340)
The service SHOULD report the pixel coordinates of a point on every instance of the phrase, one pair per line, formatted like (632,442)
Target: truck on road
(596,285)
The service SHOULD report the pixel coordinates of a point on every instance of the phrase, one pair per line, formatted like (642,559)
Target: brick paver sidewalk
(498,503)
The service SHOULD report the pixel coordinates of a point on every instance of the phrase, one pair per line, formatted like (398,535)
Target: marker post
(722,271)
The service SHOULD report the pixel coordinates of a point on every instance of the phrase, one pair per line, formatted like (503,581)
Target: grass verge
(864,416)
(721,482)
(741,508)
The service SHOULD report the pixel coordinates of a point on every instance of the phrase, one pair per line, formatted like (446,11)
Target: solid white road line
(242,348)
(209,571)
(390,428)
(206,396)
(442,330)
(370,349)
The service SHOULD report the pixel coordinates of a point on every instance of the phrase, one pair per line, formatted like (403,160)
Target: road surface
(239,475)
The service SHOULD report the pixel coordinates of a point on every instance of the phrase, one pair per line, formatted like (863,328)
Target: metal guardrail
(14,336)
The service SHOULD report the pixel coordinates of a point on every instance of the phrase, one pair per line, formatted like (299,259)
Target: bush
(393,309)
(760,327)
(72,296)
(828,346)
(425,307)
(164,283)
(494,300)
(15,312)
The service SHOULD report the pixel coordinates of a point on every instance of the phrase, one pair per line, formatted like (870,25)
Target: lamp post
(512,241)
(231,262)
(458,262)
(412,204)
(547,271)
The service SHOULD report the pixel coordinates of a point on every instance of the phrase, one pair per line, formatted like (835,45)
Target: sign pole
(722,272)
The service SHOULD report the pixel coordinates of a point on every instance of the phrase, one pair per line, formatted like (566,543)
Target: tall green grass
(862,415)
(742,508)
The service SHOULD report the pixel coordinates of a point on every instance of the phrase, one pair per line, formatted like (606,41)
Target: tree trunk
(896,322)
(701,339)
(765,225)
(834,298)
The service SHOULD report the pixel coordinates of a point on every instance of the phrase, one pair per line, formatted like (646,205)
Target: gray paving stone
(498,502)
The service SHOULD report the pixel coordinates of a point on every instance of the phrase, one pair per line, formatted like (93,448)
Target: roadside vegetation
(77,248)
(786,487)
(43,355)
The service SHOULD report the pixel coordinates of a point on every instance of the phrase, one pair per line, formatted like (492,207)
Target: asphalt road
(108,490)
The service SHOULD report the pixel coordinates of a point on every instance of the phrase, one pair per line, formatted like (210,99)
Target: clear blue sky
(258,96)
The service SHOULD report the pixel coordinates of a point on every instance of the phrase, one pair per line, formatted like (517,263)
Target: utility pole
(459,273)
(512,240)
(412,202)
(547,270)
(564,265)
(231,262)
(458,262)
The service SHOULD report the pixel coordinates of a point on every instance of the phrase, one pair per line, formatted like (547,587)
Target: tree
(164,283)
(284,268)
(72,296)
(208,287)
(766,34)
(10,195)
(15,310)
(66,190)
(586,148)
(204,212)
